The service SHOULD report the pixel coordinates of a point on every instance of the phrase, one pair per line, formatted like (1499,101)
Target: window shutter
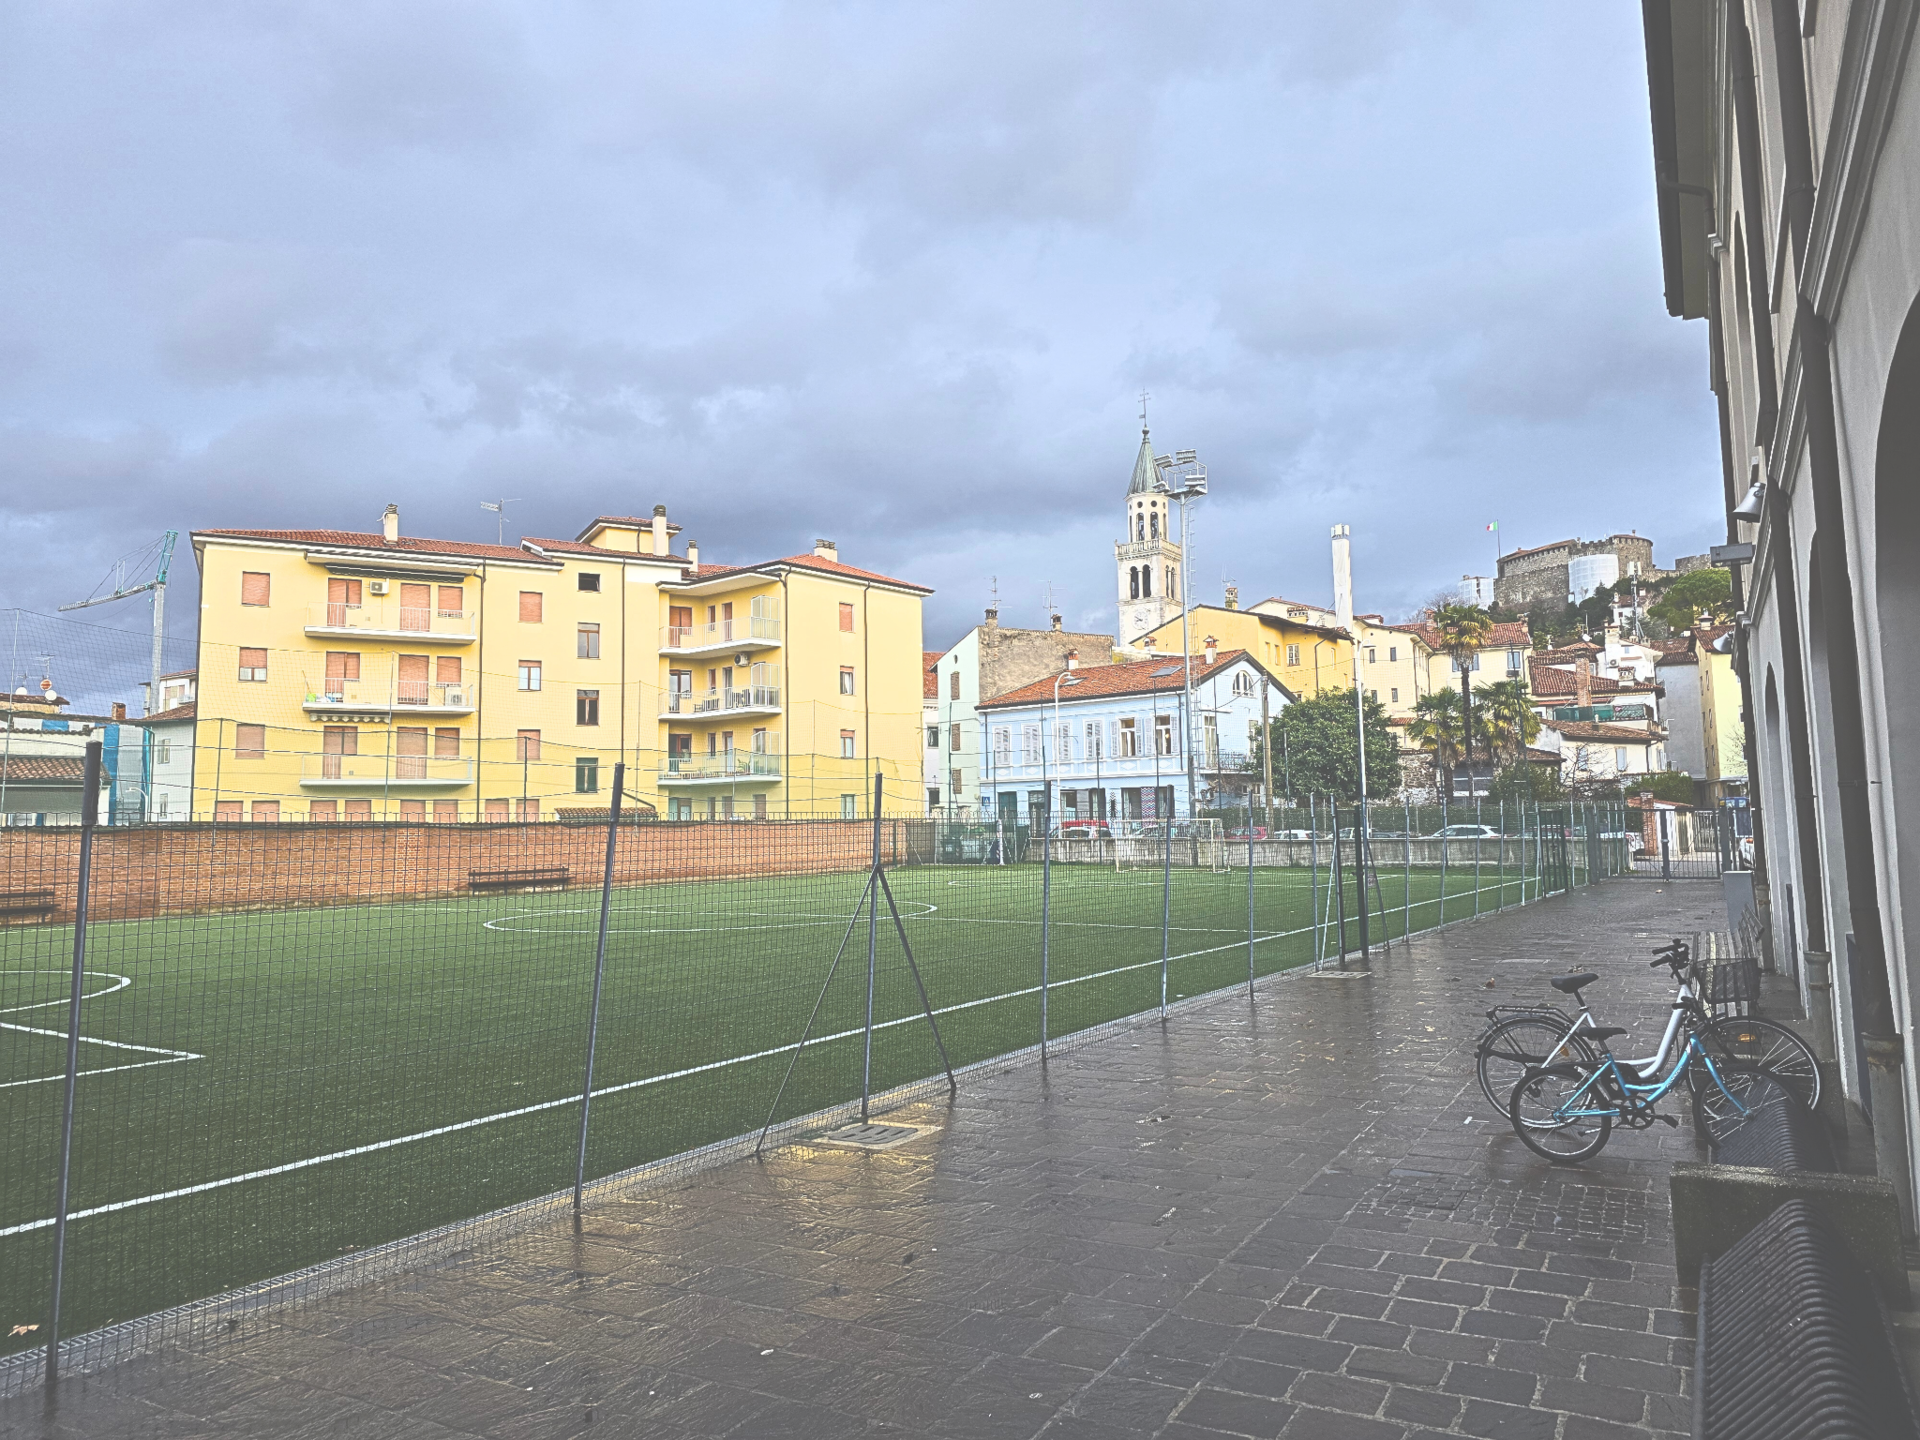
(530,607)
(343,664)
(453,599)
(446,742)
(252,659)
(446,669)
(256,587)
(249,742)
(413,667)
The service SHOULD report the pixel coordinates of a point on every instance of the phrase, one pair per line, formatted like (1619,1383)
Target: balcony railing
(1147,549)
(726,765)
(378,770)
(724,700)
(749,630)
(422,696)
(388,619)
(1601,713)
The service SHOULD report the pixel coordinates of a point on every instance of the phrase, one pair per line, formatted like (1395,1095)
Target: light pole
(1190,474)
(1065,677)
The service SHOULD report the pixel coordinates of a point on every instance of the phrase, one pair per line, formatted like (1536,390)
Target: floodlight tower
(1183,477)
(158,588)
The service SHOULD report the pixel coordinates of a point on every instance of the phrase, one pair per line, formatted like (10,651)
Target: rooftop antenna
(1049,597)
(499,507)
(121,591)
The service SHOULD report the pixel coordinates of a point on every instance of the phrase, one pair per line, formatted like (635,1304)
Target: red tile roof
(930,674)
(811,561)
(59,769)
(1552,545)
(361,540)
(1545,679)
(1589,730)
(601,552)
(178,712)
(1505,635)
(1134,678)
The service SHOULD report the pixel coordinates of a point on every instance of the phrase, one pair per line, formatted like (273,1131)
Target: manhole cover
(873,1137)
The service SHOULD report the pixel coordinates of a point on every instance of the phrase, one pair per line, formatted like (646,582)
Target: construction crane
(158,587)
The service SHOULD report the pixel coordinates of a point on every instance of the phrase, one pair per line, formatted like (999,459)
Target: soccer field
(265,1090)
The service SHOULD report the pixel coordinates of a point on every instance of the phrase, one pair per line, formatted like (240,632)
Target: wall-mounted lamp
(1749,509)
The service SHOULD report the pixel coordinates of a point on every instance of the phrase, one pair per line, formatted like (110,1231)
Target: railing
(1148,549)
(726,765)
(755,629)
(372,770)
(387,617)
(739,697)
(1601,713)
(432,694)
(334,693)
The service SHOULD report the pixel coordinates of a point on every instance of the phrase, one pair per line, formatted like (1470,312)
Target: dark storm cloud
(890,274)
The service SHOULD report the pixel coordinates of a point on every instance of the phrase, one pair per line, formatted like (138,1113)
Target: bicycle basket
(1733,982)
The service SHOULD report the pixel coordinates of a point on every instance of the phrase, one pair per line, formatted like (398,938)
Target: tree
(1524,780)
(1314,741)
(1436,730)
(1709,590)
(1674,785)
(1507,719)
(1463,630)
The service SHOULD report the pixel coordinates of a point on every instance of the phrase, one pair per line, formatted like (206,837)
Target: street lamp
(1065,677)
(1185,471)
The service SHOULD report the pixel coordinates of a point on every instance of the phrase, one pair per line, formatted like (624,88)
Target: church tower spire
(1147,561)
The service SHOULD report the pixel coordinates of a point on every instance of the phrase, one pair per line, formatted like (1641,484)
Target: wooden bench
(553,877)
(32,903)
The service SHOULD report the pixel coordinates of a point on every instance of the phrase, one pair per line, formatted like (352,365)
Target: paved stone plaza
(1292,1218)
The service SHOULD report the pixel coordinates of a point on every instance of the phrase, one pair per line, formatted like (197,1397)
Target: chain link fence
(253,1061)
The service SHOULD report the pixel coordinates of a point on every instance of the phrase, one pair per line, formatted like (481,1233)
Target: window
(1030,745)
(760,806)
(496,810)
(1472,664)
(445,812)
(1513,662)
(679,624)
(953,737)
(446,743)
(849,807)
(342,665)
(361,810)
(1153,525)
(586,707)
(324,811)
(1002,745)
(453,601)
(586,775)
(249,742)
(1393,652)
(846,680)
(413,812)
(228,810)
(1242,683)
(1163,735)
(253,664)
(846,616)
(446,669)
(953,779)
(1293,654)
(1129,738)
(532,605)
(526,810)
(1620,758)
(1139,526)
(335,742)
(416,607)
(1063,742)
(953,685)
(163,752)
(527,746)
(410,752)
(266,812)
(1370,654)
(1172,587)
(933,797)
(529,674)
(412,678)
(933,737)
(589,581)
(1210,740)
(846,744)
(256,587)
(1095,742)
(679,746)
(588,642)
(1374,695)
(342,596)
(1133,582)
(1393,696)
(1146,582)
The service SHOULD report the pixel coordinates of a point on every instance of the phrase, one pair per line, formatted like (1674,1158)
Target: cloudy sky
(894,274)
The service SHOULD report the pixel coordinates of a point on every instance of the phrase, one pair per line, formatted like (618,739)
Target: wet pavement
(1296,1217)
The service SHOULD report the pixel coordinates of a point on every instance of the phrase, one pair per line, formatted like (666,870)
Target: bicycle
(1529,1037)
(1565,1112)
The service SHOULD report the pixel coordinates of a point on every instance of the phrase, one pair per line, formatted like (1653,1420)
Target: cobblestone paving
(1297,1218)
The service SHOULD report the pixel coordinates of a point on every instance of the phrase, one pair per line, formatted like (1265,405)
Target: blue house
(1113,740)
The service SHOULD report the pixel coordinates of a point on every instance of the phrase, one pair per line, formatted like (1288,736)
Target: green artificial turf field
(265,1090)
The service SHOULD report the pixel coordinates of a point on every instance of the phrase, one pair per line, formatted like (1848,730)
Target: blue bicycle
(1566,1111)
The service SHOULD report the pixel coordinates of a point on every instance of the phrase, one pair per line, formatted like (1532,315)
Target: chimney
(1146,642)
(993,615)
(825,550)
(1582,681)
(1343,577)
(693,554)
(1072,656)
(390,523)
(661,544)
(1056,622)
(1213,650)
(1233,597)
(119,710)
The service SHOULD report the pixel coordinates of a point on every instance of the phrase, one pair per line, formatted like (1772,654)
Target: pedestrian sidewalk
(1291,1217)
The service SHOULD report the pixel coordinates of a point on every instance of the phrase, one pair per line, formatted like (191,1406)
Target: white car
(1466,832)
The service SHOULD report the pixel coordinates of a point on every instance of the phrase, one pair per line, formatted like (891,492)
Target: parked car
(1259,832)
(1297,835)
(1466,832)
(1083,830)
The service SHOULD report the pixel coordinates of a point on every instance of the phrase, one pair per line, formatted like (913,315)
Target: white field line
(569,1100)
(171,1057)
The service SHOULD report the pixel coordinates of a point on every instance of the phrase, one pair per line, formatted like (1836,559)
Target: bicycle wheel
(1534,1112)
(1521,1043)
(1718,1109)
(1749,1040)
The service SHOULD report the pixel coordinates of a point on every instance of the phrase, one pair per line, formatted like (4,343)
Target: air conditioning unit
(376,587)
(456,696)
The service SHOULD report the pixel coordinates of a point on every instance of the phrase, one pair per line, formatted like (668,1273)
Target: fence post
(1046,909)
(1664,830)
(1249,893)
(1362,863)
(599,977)
(1313,877)
(1479,847)
(1445,845)
(1166,904)
(1406,889)
(89,821)
(873,949)
(1339,880)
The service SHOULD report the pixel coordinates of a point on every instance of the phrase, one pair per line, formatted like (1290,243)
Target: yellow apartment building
(348,675)
(1302,655)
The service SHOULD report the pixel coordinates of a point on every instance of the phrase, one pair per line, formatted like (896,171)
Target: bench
(27,902)
(1779,1134)
(553,877)
(1794,1341)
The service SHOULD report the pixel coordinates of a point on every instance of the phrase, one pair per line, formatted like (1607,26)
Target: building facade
(1147,562)
(1785,148)
(349,676)
(1305,655)
(1568,571)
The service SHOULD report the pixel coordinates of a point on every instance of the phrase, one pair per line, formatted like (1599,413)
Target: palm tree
(1509,721)
(1436,729)
(1463,630)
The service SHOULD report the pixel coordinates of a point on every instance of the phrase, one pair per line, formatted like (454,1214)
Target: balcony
(1148,549)
(387,619)
(746,633)
(735,700)
(726,768)
(378,700)
(413,772)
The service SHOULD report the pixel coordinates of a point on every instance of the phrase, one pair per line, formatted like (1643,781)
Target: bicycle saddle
(1606,1032)
(1567,984)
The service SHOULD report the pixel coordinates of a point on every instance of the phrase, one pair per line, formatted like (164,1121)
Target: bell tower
(1147,561)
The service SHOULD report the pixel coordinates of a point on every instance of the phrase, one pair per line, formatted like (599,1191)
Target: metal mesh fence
(297,1042)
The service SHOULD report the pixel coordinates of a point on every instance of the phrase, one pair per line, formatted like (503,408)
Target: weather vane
(1144,397)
